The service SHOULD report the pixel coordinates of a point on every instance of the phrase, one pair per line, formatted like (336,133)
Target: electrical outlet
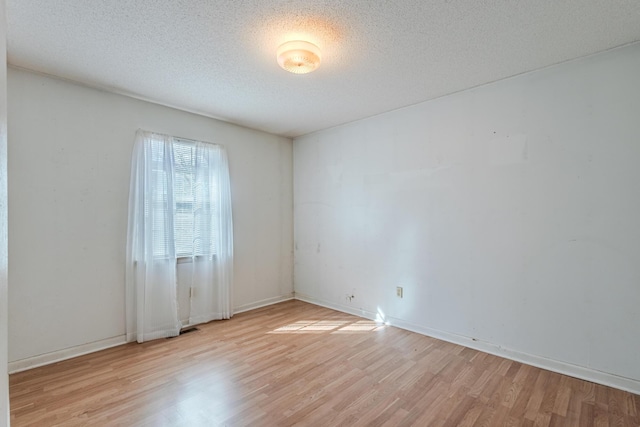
(399,291)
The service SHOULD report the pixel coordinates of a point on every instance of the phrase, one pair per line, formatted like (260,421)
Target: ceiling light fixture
(299,57)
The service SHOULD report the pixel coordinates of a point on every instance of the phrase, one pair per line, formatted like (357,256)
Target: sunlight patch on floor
(330,326)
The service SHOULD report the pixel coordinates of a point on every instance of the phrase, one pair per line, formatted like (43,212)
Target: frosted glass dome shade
(298,57)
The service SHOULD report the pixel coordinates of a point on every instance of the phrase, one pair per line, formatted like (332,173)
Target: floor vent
(186,331)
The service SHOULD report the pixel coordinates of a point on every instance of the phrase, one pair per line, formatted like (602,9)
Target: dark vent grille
(185,331)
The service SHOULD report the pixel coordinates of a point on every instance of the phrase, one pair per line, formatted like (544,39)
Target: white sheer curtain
(212,262)
(179,189)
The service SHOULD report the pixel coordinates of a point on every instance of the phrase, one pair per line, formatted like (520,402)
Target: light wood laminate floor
(299,364)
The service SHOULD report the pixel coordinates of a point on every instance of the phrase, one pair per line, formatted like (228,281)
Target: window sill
(188,259)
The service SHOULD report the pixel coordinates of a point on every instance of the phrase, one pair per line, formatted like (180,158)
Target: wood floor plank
(297,364)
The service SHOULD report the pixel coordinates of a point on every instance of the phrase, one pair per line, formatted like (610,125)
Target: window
(179,207)
(188,187)
(188,206)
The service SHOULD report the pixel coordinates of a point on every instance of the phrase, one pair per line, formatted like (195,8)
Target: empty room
(320,213)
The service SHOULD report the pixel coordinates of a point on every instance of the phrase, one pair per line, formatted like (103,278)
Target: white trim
(581,372)
(577,371)
(80,350)
(64,354)
(339,307)
(263,303)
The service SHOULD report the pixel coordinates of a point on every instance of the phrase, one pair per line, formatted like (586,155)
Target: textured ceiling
(218,57)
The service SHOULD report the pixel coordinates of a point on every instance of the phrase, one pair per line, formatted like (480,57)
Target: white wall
(4,383)
(509,213)
(69,166)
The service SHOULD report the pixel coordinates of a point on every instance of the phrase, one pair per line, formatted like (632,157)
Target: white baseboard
(80,350)
(584,373)
(338,307)
(64,354)
(263,303)
(572,370)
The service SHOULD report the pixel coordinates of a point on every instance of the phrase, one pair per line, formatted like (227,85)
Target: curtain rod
(179,137)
